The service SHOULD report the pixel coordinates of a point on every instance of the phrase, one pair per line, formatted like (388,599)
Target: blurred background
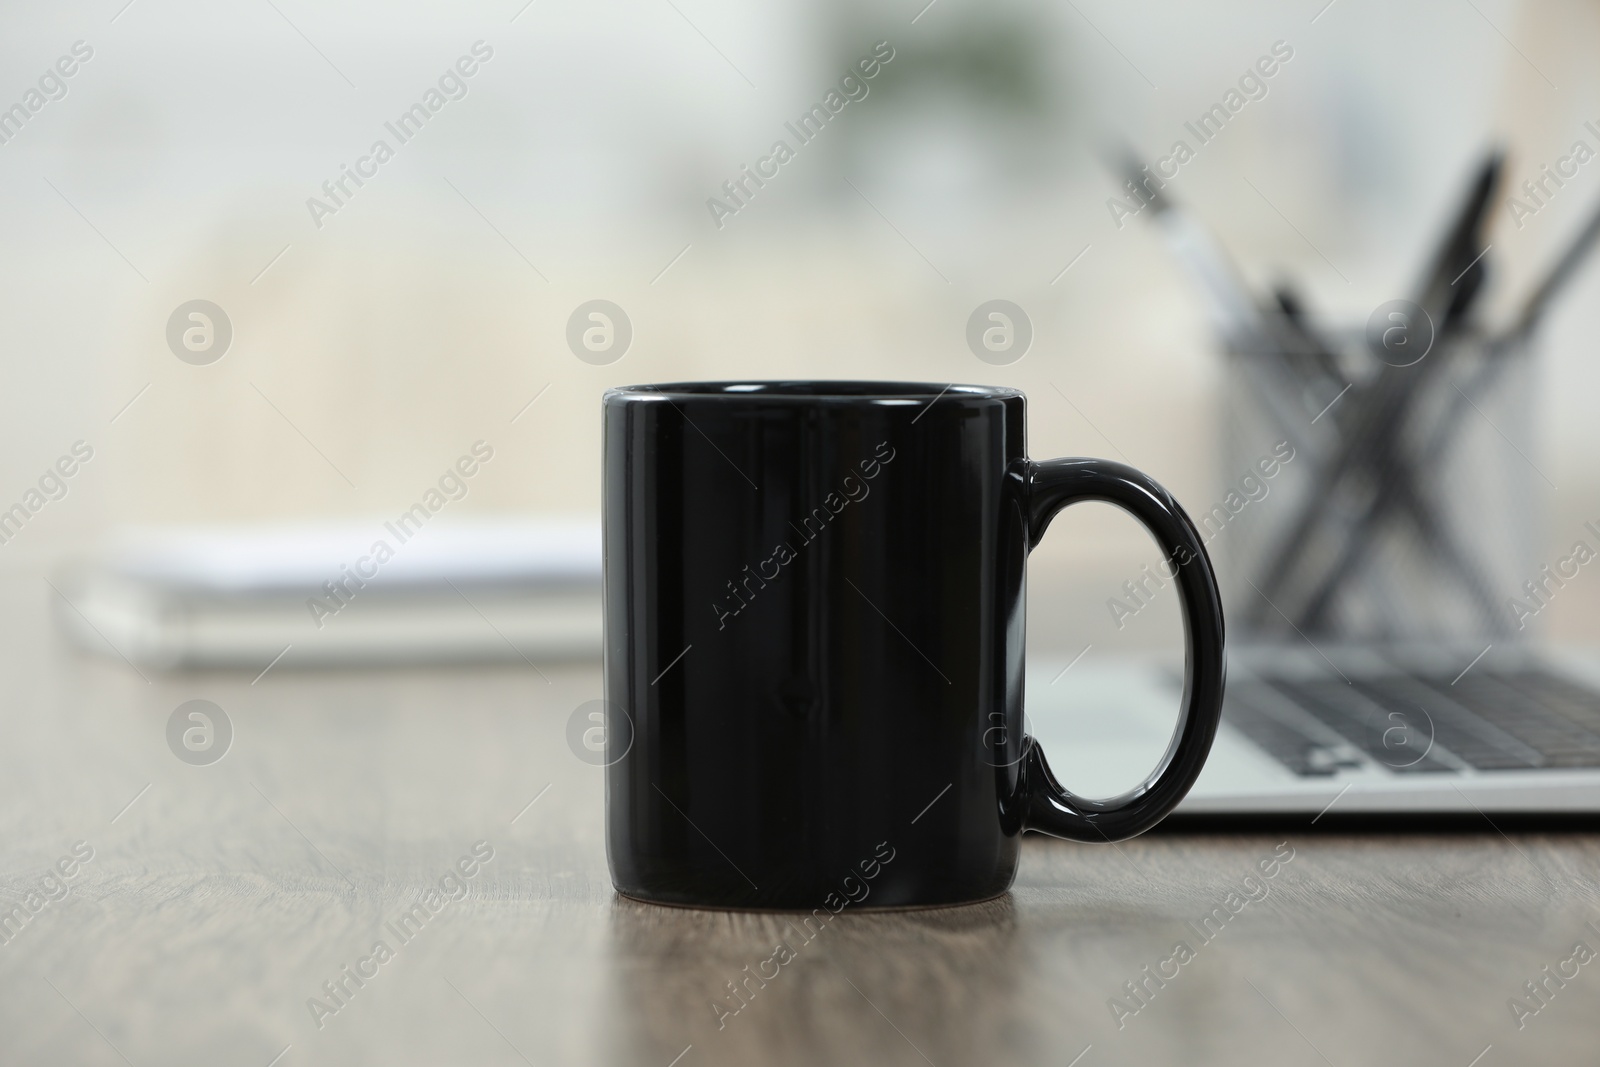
(373,344)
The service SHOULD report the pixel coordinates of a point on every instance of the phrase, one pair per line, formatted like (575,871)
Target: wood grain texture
(224,896)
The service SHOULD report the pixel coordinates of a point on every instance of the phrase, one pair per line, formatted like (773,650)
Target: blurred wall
(426,312)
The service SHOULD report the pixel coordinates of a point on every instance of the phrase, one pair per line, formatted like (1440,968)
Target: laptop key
(1480,743)
(1303,754)
(1490,721)
(1396,737)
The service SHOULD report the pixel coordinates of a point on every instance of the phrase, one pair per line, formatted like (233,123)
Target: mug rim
(801,390)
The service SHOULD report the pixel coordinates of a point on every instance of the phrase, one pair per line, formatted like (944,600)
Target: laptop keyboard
(1420,724)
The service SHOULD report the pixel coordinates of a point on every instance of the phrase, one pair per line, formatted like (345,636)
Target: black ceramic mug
(814,643)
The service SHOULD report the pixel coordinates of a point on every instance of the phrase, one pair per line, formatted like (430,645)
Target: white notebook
(353,593)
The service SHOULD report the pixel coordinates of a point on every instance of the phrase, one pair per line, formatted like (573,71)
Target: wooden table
(221,898)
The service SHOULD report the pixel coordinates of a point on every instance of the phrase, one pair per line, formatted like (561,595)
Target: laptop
(1379,729)
(1329,731)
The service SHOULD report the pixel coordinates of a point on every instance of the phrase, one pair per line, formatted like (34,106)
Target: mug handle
(1051,486)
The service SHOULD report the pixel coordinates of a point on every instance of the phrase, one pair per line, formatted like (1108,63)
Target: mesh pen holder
(1407,512)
